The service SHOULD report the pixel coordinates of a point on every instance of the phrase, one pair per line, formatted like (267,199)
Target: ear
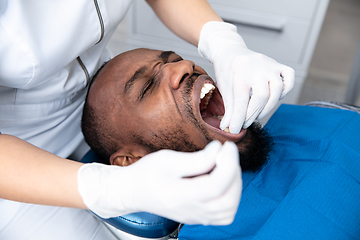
(122,159)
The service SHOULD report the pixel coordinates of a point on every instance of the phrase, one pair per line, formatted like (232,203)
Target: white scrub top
(48,52)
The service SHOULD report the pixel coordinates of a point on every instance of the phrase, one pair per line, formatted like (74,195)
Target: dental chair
(140,225)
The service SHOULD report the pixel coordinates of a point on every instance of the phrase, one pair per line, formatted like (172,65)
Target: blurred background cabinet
(286,30)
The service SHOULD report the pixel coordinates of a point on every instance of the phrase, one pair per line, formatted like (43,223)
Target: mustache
(189,85)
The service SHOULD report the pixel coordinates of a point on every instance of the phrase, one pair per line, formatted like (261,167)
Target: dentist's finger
(239,114)
(222,210)
(226,90)
(257,103)
(229,108)
(229,199)
(288,75)
(197,163)
(223,175)
(276,88)
(241,101)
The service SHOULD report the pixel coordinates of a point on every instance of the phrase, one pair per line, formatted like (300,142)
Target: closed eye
(146,87)
(149,84)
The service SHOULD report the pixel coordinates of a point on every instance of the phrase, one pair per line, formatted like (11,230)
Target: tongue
(213,121)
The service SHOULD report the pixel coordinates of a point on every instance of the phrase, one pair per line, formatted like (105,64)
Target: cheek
(160,116)
(159,111)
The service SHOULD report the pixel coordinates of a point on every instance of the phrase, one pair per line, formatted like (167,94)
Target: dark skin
(151,101)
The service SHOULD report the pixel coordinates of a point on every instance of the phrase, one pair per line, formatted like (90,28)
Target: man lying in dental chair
(301,172)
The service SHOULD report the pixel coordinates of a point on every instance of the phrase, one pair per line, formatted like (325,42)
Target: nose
(177,72)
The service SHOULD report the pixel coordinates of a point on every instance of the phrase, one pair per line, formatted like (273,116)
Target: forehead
(124,65)
(133,63)
(135,58)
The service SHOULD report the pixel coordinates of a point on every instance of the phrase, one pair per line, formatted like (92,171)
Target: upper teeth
(206,89)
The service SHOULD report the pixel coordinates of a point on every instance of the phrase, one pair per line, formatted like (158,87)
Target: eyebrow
(163,56)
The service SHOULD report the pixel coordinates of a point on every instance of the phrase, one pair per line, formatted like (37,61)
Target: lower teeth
(220,118)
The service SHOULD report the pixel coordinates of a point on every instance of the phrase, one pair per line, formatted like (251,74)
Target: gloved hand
(239,70)
(167,183)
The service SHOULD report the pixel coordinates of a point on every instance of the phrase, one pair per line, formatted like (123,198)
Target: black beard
(254,147)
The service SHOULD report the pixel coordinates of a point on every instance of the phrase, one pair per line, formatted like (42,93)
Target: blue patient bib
(310,187)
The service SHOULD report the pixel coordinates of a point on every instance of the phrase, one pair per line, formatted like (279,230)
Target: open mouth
(211,105)
(211,108)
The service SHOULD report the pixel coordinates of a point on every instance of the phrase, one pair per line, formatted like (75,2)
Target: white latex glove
(156,184)
(239,70)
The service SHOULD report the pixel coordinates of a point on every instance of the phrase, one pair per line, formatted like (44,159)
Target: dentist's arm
(238,70)
(32,175)
(184,17)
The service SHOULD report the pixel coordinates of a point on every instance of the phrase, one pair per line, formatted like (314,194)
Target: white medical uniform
(48,52)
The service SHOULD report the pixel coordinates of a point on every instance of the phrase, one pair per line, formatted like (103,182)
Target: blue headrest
(141,224)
